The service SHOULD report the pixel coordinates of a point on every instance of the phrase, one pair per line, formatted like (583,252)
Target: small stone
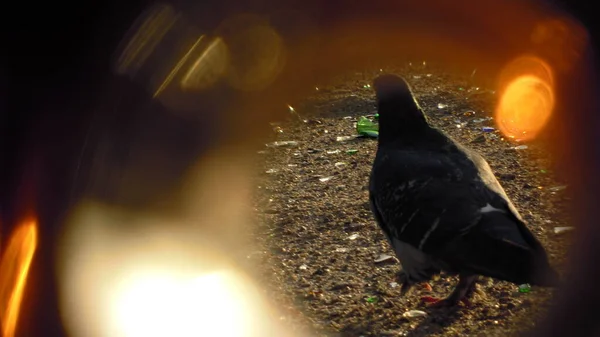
(414,314)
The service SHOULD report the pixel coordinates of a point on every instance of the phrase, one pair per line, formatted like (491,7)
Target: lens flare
(527,98)
(14,268)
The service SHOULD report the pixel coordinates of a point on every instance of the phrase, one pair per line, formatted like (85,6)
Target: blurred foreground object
(14,268)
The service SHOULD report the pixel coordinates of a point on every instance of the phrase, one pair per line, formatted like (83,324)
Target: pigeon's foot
(461,293)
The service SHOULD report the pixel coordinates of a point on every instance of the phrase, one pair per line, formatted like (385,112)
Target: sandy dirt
(319,241)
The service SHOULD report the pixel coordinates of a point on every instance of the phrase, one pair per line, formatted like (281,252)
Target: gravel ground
(319,241)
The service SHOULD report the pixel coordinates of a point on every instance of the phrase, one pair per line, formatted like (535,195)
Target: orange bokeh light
(14,267)
(527,98)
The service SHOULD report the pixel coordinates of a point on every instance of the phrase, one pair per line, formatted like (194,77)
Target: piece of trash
(303,267)
(365,127)
(352,151)
(340,164)
(442,106)
(341,250)
(278,129)
(372,299)
(383,258)
(291,109)
(324,179)
(344,138)
(283,143)
(353,236)
(524,288)
(394,284)
(521,147)
(333,151)
(414,314)
(487,129)
(557,188)
(270,171)
(560,230)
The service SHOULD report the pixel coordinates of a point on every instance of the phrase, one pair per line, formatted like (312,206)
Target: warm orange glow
(14,268)
(527,98)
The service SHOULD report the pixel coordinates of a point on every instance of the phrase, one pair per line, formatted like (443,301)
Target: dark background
(57,79)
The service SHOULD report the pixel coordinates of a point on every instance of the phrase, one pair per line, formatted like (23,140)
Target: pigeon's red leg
(461,292)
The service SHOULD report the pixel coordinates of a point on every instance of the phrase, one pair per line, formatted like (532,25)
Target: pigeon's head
(398,110)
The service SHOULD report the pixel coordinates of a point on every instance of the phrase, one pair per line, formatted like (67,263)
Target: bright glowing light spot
(525,107)
(163,305)
(14,268)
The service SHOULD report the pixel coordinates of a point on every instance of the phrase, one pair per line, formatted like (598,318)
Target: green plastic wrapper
(365,127)
(524,288)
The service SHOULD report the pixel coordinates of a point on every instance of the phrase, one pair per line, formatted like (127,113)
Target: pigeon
(440,206)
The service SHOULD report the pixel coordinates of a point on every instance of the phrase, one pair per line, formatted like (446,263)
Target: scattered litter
(340,164)
(333,151)
(557,188)
(303,267)
(414,314)
(487,129)
(394,284)
(324,179)
(341,250)
(270,171)
(560,230)
(282,143)
(383,258)
(353,236)
(521,147)
(352,151)
(372,299)
(442,106)
(480,120)
(365,127)
(345,138)
(524,288)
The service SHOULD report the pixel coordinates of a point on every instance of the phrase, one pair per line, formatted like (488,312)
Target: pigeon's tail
(503,248)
